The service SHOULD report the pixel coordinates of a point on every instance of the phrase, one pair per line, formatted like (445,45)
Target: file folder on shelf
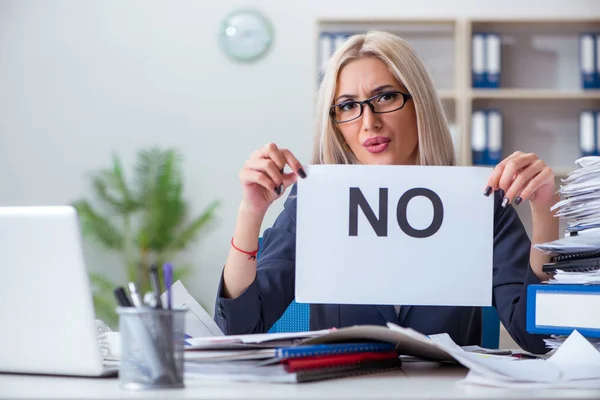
(478,61)
(492,60)
(486,60)
(588,61)
(587,134)
(494,133)
(559,309)
(597,80)
(478,137)
(329,42)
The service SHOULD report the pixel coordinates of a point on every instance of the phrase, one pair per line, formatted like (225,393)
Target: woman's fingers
(542,178)
(294,164)
(250,176)
(513,167)
(283,157)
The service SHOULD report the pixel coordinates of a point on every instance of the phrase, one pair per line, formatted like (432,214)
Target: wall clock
(246,35)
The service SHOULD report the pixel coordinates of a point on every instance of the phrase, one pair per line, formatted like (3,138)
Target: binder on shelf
(478,61)
(492,60)
(588,61)
(597,85)
(559,309)
(339,39)
(325,51)
(588,143)
(494,134)
(478,137)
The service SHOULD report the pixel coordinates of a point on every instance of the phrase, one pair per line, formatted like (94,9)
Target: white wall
(80,79)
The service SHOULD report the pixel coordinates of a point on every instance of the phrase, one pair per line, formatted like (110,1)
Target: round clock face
(246,35)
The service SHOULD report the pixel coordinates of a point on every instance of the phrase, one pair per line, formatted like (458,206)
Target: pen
(155,282)
(122,298)
(135,296)
(168,278)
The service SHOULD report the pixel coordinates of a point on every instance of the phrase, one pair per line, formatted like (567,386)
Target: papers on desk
(556,341)
(197,321)
(576,365)
(198,324)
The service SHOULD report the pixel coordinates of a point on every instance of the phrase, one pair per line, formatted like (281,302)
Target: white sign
(406,235)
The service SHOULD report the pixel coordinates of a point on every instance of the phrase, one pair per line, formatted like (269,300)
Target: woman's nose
(370,120)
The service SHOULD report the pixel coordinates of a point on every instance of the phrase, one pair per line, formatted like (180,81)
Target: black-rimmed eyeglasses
(380,104)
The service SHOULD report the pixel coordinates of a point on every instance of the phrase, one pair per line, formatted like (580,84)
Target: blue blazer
(266,299)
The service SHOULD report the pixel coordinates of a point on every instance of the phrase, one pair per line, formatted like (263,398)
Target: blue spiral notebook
(333,348)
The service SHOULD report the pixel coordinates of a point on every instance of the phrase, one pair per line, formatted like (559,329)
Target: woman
(377,105)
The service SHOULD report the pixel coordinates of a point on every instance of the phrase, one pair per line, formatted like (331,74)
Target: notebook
(573,265)
(252,371)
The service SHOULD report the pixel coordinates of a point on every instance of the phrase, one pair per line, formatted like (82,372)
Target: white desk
(416,381)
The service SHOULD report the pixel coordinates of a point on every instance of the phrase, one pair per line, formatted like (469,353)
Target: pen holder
(152,346)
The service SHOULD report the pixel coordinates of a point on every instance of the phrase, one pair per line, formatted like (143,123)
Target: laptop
(47,319)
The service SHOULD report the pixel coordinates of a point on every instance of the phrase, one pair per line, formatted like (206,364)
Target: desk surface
(416,381)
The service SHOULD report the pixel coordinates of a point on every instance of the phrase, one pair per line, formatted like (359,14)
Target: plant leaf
(101,283)
(160,182)
(98,227)
(180,273)
(121,183)
(189,232)
(105,307)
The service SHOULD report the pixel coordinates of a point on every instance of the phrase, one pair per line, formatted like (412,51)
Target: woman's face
(387,138)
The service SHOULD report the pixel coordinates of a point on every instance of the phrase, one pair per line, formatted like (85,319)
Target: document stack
(571,300)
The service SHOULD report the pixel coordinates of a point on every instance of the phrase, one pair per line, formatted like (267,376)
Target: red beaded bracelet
(251,254)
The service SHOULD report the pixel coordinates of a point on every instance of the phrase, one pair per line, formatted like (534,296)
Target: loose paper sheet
(452,266)
(197,321)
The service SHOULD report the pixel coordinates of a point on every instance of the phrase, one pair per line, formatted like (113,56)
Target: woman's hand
(263,178)
(523,176)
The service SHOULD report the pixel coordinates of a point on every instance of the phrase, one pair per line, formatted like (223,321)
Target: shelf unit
(540,78)
(540,94)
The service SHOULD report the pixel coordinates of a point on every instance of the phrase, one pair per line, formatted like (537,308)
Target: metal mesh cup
(152,346)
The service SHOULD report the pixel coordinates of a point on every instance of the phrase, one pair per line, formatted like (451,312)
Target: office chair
(297,316)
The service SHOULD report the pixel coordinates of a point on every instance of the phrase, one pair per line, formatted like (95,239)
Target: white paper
(257,338)
(197,321)
(451,267)
(575,364)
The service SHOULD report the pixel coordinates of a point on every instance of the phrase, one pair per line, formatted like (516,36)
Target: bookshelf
(540,94)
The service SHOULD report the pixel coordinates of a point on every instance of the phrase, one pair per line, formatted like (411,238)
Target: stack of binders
(486,58)
(571,299)
(589,60)
(486,137)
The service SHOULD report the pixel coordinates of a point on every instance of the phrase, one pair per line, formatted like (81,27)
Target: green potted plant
(145,221)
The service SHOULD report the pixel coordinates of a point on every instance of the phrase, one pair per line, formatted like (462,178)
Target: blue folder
(558,290)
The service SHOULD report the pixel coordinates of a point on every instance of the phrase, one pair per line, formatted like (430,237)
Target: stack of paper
(575,365)
(575,258)
(556,341)
(580,208)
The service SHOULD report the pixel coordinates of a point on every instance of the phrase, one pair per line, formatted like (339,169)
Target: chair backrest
(490,329)
(296,318)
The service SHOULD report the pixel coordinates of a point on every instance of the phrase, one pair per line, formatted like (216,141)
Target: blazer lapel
(403,313)
(388,313)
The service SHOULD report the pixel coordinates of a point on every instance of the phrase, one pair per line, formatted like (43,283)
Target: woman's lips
(377,144)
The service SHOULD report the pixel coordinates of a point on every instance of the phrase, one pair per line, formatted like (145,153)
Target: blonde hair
(434,145)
